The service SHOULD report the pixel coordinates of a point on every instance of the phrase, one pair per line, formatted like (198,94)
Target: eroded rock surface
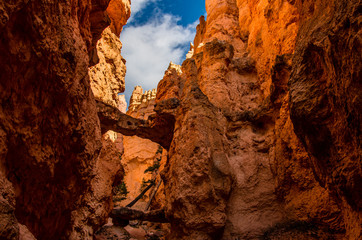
(142,103)
(158,129)
(325,97)
(8,222)
(107,77)
(197,160)
(107,81)
(271,88)
(50,131)
(140,154)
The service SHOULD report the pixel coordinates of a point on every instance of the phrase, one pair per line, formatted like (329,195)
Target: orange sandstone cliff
(267,123)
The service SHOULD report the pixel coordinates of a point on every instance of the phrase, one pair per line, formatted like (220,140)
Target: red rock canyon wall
(50,132)
(266,136)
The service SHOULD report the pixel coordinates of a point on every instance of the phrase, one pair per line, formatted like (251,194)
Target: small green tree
(154,167)
(159,150)
(120,192)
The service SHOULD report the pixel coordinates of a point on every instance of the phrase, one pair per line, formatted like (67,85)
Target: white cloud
(138,6)
(149,48)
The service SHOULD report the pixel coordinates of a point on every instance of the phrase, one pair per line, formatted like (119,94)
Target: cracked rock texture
(51,159)
(267,123)
(107,81)
(107,77)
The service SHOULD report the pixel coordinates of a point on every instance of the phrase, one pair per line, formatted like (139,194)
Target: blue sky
(159,31)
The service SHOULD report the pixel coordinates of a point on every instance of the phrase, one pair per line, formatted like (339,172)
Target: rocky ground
(134,231)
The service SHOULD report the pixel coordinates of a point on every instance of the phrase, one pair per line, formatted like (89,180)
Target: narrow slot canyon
(255,135)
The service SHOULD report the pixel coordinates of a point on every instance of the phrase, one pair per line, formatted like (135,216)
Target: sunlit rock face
(122,103)
(118,11)
(107,77)
(142,103)
(50,132)
(196,176)
(266,139)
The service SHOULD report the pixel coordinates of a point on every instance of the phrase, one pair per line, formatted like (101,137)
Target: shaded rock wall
(50,131)
(107,81)
(247,91)
(8,222)
(325,97)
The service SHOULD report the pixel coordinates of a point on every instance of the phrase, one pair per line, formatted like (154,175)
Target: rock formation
(122,103)
(107,81)
(50,131)
(141,154)
(142,103)
(158,128)
(325,101)
(254,148)
(262,123)
(107,77)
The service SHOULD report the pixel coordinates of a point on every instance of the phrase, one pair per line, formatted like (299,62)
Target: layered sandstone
(107,77)
(234,100)
(50,131)
(106,81)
